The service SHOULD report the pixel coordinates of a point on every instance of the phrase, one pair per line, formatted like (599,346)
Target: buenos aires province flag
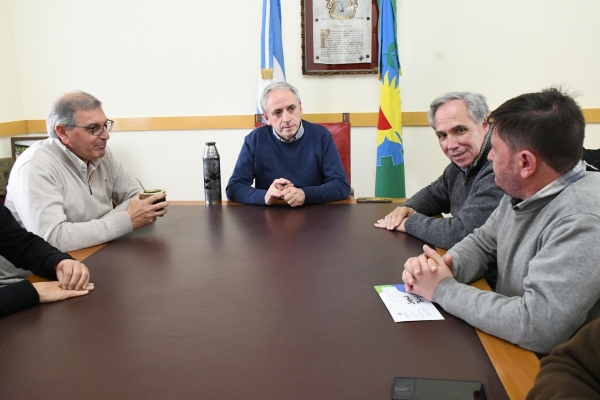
(389,179)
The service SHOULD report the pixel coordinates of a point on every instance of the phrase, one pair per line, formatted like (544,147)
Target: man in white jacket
(69,189)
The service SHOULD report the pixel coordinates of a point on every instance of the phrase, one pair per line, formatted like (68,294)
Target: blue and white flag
(272,67)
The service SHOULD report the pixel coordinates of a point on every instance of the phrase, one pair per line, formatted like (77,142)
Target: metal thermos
(212,174)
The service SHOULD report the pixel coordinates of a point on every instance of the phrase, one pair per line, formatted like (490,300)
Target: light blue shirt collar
(554,187)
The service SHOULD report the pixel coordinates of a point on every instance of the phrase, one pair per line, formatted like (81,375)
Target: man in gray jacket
(466,189)
(69,189)
(544,237)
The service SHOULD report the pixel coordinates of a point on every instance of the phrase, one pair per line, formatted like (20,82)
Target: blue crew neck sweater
(311,163)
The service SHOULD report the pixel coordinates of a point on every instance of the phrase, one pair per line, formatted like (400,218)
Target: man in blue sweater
(288,158)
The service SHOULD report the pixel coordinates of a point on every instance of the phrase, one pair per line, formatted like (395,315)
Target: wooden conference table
(228,302)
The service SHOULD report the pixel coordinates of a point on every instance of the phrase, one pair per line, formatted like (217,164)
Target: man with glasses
(69,189)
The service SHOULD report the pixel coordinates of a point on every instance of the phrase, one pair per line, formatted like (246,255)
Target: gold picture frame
(311,68)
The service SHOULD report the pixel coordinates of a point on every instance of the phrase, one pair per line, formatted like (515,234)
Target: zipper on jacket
(88,182)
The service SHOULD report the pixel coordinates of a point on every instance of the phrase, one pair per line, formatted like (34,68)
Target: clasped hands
(422,274)
(73,280)
(282,188)
(396,219)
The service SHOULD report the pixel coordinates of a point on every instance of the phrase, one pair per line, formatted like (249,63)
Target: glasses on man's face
(96,130)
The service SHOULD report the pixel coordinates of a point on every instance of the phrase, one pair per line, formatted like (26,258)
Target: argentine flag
(272,67)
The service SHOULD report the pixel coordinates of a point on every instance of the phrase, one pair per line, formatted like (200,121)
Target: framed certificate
(339,36)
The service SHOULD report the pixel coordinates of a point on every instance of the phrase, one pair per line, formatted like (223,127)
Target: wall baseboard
(409,118)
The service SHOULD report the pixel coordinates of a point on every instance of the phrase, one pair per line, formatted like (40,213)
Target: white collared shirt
(86,169)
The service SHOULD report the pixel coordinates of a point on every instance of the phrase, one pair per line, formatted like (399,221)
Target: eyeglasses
(96,130)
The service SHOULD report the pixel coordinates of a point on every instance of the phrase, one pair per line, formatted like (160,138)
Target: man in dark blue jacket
(28,251)
(289,158)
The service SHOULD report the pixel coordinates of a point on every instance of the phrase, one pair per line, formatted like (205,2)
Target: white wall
(198,57)
(11,105)
(501,48)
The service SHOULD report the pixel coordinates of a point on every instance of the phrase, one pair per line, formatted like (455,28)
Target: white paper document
(407,306)
(342,31)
